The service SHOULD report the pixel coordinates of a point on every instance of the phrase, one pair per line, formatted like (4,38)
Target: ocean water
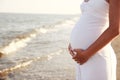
(15,24)
(27,41)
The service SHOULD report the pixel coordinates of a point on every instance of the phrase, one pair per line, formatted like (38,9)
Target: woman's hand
(70,50)
(78,55)
(81,57)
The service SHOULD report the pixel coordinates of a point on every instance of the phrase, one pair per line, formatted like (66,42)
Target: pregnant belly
(82,37)
(87,30)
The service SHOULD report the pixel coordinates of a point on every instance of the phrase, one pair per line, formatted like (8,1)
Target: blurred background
(34,35)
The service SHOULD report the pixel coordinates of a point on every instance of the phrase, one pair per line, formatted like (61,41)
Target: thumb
(74,56)
(76,50)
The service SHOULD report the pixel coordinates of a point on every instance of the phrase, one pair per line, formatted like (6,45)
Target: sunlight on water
(5,72)
(50,56)
(39,45)
(43,30)
(20,41)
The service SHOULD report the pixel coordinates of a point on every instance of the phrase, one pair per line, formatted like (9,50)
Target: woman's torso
(92,23)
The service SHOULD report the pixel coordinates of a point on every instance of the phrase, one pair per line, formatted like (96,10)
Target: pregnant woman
(90,41)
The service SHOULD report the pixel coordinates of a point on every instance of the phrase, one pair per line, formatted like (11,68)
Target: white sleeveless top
(98,8)
(94,20)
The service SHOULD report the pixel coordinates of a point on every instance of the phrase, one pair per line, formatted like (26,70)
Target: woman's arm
(109,34)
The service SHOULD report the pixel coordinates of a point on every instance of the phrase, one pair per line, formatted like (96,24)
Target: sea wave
(20,41)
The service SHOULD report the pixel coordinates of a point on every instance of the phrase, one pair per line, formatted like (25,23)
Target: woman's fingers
(69,47)
(77,55)
(78,50)
(70,50)
(79,58)
(80,61)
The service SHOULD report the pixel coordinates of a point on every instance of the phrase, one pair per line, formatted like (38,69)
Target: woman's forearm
(104,39)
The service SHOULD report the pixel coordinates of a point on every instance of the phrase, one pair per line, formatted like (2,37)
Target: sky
(41,6)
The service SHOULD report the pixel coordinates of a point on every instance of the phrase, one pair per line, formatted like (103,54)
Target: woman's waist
(84,37)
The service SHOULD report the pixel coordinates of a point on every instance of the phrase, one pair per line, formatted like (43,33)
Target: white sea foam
(21,41)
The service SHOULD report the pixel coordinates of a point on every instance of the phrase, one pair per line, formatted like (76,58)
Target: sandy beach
(116,46)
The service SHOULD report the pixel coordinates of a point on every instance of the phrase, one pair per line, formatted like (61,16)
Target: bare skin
(108,35)
(107,1)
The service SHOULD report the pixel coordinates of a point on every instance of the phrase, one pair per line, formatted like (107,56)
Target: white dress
(94,20)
